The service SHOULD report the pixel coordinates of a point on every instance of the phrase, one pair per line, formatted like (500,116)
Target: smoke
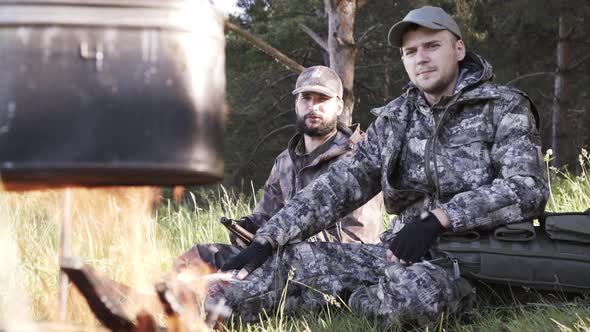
(14,304)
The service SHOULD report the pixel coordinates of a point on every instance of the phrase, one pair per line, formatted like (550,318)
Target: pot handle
(97,55)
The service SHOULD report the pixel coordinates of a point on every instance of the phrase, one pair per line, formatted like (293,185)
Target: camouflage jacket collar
(346,138)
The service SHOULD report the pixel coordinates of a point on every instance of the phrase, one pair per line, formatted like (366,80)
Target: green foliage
(517,37)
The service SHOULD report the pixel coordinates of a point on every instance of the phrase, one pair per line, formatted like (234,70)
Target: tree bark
(560,98)
(342,49)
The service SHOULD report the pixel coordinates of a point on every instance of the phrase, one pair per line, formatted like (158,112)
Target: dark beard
(322,130)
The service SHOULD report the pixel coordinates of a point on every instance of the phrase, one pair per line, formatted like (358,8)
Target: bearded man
(319,142)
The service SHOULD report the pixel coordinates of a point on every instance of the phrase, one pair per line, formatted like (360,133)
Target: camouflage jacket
(475,154)
(361,225)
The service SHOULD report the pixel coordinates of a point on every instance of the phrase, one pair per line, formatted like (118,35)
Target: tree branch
(319,40)
(265,47)
(378,65)
(572,67)
(267,136)
(541,73)
(283,113)
(264,90)
(363,37)
(253,153)
(375,94)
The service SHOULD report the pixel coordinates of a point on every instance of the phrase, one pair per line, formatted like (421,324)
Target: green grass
(121,234)
(570,192)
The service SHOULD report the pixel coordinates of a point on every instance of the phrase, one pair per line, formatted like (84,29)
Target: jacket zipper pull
(456,270)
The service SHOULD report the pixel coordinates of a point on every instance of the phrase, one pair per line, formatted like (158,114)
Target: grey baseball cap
(319,79)
(429,17)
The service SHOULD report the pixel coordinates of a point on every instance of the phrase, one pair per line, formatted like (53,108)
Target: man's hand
(251,258)
(413,241)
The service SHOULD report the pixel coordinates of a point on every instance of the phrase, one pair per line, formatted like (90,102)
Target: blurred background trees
(540,47)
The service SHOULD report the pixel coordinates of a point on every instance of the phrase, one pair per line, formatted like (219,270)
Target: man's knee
(419,293)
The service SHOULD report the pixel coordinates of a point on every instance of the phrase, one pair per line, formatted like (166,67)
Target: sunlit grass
(570,192)
(103,227)
(196,219)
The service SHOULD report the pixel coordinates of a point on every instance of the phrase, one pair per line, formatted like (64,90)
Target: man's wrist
(270,240)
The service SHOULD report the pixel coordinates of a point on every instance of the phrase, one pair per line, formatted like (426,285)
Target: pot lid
(156,14)
(99,3)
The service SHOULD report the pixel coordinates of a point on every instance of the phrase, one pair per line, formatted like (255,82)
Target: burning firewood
(181,305)
(101,299)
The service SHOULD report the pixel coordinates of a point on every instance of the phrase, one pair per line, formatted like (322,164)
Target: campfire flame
(115,230)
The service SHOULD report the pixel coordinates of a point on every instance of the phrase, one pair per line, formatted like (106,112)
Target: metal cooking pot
(120,92)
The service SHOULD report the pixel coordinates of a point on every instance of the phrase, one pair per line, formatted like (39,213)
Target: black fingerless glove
(412,242)
(248,225)
(252,257)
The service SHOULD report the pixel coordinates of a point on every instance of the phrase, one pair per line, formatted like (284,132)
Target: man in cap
(454,152)
(319,142)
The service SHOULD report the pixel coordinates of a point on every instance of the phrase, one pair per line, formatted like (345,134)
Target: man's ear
(460,49)
(340,106)
(296,101)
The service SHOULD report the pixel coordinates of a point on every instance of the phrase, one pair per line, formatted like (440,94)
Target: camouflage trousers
(309,275)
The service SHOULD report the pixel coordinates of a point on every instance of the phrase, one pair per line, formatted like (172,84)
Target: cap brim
(394,37)
(317,89)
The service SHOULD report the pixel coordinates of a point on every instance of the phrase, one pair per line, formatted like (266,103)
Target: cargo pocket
(464,161)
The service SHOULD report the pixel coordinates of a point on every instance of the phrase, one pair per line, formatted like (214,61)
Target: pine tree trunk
(341,15)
